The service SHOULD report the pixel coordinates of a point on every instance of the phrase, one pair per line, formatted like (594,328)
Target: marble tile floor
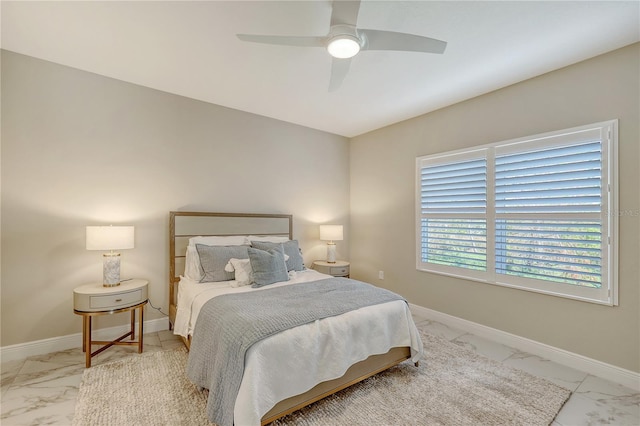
(41,390)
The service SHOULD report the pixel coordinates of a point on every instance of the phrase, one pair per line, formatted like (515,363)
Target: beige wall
(382,204)
(80,149)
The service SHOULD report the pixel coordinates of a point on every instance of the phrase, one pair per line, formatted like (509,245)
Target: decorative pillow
(192,268)
(295,261)
(243,271)
(268,266)
(213,259)
(231,240)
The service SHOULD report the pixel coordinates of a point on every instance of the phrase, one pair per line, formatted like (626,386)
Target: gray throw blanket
(228,325)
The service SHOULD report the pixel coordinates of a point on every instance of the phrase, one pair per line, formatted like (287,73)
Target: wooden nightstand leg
(140,328)
(87,340)
(133,324)
(84,331)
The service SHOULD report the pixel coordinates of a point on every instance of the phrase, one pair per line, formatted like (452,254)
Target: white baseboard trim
(619,375)
(601,369)
(55,344)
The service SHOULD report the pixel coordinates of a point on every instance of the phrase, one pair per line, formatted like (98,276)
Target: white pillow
(192,269)
(268,238)
(231,240)
(244,273)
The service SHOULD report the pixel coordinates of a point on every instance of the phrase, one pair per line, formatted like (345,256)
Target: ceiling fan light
(343,47)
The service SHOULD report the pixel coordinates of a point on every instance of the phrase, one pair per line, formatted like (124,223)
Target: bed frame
(184,225)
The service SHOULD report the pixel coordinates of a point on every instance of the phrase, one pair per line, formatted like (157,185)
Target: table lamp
(331,233)
(110,238)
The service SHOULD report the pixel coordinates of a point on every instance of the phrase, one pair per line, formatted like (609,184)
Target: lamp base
(331,252)
(111,269)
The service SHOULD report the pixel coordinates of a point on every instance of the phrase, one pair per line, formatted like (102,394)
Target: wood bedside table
(94,299)
(338,269)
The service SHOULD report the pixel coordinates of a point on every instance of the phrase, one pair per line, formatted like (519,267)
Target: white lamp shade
(109,237)
(331,232)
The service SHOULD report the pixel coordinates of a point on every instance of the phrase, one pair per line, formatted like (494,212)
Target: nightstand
(338,269)
(94,299)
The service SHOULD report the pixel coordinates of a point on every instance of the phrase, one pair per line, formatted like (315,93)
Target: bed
(361,342)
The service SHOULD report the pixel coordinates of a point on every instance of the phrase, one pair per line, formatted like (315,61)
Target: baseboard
(55,344)
(619,375)
(601,369)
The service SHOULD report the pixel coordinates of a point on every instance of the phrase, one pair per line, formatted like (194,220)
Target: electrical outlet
(381,275)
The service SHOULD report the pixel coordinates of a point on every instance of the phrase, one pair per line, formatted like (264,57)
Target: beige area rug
(452,386)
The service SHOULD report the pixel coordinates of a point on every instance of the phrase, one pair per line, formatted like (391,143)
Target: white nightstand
(338,269)
(94,299)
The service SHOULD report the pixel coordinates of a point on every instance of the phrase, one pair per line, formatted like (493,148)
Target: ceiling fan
(345,40)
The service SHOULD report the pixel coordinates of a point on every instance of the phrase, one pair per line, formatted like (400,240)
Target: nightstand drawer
(116,300)
(339,271)
(339,268)
(95,297)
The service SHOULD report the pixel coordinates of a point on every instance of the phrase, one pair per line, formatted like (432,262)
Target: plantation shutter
(558,180)
(548,203)
(453,203)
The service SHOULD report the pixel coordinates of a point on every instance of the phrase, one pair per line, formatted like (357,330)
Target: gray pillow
(213,259)
(268,266)
(291,248)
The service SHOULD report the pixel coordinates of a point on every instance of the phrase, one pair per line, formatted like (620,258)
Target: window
(537,213)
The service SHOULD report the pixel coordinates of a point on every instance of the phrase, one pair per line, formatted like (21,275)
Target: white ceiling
(190,49)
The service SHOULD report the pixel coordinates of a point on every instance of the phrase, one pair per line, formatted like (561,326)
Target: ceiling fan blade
(344,12)
(390,40)
(339,70)
(284,40)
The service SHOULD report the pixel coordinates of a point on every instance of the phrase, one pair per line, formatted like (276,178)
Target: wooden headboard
(184,225)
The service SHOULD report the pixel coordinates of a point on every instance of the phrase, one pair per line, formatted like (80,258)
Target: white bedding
(350,337)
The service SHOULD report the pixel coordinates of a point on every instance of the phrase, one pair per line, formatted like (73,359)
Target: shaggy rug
(452,386)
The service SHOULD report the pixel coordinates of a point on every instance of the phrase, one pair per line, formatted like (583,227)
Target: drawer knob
(118,300)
